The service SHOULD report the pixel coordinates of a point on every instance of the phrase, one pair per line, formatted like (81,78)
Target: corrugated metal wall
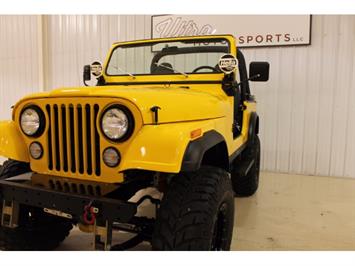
(19,60)
(74,41)
(307,108)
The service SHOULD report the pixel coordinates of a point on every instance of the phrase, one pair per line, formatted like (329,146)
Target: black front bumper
(108,209)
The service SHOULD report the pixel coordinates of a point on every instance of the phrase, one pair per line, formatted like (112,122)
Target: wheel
(247,185)
(196,213)
(11,168)
(37,230)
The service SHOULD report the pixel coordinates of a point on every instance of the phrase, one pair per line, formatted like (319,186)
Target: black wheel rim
(220,228)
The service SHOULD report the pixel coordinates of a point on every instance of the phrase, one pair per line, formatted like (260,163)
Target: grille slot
(73,139)
(88,139)
(49,139)
(65,140)
(56,138)
(97,143)
(80,139)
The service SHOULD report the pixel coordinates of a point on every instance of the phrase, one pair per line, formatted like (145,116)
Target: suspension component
(9,214)
(102,236)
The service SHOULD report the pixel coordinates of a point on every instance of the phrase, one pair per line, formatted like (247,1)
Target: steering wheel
(202,67)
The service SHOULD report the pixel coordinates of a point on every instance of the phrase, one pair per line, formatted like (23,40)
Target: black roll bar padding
(185,50)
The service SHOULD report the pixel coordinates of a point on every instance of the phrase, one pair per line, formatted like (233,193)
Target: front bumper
(108,209)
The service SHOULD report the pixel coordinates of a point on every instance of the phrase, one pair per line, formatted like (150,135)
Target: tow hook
(89,215)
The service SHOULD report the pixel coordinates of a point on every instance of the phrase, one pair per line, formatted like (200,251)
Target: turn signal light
(196,133)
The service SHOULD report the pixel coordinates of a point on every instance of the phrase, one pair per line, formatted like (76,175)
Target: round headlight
(36,150)
(111,157)
(117,123)
(30,121)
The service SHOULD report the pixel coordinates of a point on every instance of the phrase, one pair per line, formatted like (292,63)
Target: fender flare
(196,150)
(253,127)
(12,145)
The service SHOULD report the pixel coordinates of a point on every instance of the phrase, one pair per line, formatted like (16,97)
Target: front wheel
(197,212)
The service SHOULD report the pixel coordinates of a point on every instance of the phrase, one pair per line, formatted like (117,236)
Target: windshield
(175,57)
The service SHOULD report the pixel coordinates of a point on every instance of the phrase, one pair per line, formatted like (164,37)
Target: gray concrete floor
(289,212)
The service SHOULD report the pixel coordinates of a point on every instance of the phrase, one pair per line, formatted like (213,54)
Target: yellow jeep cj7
(172,115)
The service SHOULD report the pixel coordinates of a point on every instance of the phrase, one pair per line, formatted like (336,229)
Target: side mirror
(87,73)
(259,71)
(95,69)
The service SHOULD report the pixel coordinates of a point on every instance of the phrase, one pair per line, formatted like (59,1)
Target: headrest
(163,68)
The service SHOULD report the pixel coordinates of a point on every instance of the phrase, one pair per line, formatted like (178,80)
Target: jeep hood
(177,104)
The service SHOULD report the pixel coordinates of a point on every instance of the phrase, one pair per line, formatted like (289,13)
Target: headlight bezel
(130,118)
(42,120)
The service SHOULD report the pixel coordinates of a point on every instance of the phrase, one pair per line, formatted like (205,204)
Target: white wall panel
(19,61)
(19,65)
(74,41)
(307,108)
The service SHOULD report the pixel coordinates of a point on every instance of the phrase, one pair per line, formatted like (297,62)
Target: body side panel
(12,144)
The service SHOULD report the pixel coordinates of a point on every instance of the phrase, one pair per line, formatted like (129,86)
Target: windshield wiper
(170,68)
(124,71)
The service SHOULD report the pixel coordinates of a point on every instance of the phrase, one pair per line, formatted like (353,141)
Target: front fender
(253,127)
(161,147)
(12,145)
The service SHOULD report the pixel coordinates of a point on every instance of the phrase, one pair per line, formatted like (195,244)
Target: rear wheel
(197,212)
(37,230)
(245,185)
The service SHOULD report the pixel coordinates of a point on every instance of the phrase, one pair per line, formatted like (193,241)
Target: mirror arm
(100,81)
(250,78)
(235,85)
(228,85)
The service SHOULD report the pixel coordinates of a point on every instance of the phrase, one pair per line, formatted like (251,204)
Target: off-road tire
(38,231)
(247,185)
(12,168)
(196,213)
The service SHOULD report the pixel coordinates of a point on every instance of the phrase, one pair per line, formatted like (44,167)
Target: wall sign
(249,30)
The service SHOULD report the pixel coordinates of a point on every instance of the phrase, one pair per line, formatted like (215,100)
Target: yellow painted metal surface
(177,103)
(166,145)
(160,147)
(12,144)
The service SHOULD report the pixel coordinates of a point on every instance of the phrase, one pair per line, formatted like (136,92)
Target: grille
(73,139)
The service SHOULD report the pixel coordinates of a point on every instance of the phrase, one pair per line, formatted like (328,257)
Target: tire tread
(187,209)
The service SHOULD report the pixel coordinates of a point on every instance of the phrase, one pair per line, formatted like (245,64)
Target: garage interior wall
(307,109)
(20,69)
(19,60)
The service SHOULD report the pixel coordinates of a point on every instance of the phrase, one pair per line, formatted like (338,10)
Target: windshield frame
(172,76)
